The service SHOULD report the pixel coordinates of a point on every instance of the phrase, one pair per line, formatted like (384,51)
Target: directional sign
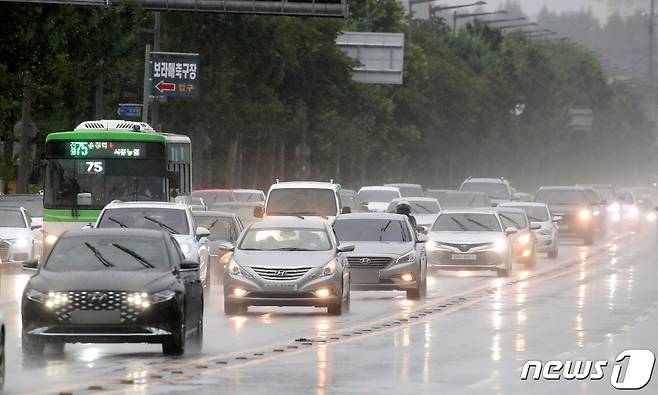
(381,56)
(174,74)
(129,110)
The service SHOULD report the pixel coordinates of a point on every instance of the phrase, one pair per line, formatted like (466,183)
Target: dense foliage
(474,103)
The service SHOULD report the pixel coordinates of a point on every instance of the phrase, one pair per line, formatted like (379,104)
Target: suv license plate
(464,257)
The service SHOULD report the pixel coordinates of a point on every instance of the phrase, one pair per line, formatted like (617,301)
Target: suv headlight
(329,268)
(407,258)
(35,296)
(162,296)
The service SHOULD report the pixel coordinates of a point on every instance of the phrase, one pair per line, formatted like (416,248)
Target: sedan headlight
(233,268)
(407,258)
(524,239)
(633,212)
(499,245)
(329,268)
(584,215)
(50,239)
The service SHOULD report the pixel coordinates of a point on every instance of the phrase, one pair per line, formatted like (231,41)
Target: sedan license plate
(281,287)
(464,257)
(96,317)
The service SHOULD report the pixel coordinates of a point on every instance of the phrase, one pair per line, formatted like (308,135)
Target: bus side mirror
(259,211)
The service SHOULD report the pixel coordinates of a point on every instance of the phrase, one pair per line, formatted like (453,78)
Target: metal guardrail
(320,8)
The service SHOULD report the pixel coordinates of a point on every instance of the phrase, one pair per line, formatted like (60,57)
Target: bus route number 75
(91,167)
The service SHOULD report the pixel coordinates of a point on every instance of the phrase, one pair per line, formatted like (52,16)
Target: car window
(286,239)
(514,220)
(536,214)
(466,222)
(372,230)
(170,219)
(11,219)
(221,228)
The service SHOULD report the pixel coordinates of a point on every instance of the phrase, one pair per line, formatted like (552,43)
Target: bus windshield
(92,183)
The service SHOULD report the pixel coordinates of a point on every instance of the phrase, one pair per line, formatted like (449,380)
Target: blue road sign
(130,110)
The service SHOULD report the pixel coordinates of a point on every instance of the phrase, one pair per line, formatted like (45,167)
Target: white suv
(499,190)
(176,218)
(303,199)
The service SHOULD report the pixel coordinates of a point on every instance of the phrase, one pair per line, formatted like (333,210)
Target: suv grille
(281,274)
(98,301)
(369,261)
(4,250)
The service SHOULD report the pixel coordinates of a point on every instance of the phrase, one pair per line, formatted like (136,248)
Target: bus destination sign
(105,149)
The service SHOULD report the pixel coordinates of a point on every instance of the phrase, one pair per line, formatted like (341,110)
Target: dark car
(223,227)
(113,286)
(388,255)
(576,210)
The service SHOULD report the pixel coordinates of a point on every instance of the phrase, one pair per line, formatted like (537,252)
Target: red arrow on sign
(165,86)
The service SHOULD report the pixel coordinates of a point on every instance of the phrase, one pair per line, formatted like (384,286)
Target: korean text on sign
(179,70)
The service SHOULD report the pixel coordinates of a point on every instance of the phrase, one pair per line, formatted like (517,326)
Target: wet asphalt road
(471,334)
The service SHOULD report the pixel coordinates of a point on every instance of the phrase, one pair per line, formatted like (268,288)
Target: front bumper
(488,260)
(298,292)
(385,279)
(100,334)
(546,243)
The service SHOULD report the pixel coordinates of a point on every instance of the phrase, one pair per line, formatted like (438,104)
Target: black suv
(579,214)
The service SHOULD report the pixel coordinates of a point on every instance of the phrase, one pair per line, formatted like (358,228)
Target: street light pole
(434,9)
(492,21)
(516,26)
(456,16)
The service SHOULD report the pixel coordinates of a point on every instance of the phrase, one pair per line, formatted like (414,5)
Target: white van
(302,199)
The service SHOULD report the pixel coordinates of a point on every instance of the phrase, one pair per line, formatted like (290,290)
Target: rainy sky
(532,7)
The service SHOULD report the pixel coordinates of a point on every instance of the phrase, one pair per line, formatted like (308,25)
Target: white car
(470,240)
(377,198)
(176,218)
(302,199)
(20,239)
(540,215)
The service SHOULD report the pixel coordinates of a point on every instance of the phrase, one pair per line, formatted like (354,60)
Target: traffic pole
(145,102)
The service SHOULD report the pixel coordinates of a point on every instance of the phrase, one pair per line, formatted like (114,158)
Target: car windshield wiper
(98,255)
(169,228)
(135,255)
(310,214)
(455,220)
(213,224)
(116,221)
(480,224)
(516,224)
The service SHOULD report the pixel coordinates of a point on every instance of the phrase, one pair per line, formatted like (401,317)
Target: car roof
(401,184)
(522,204)
(480,210)
(370,216)
(165,205)
(415,199)
(347,191)
(465,193)
(564,188)
(10,208)
(214,214)
(289,222)
(304,184)
(235,204)
(379,188)
(248,190)
(438,190)
(490,180)
(115,232)
(510,209)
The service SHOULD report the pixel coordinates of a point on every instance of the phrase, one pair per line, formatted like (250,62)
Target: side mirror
(345,248)
(511,230)
(31,264)
(535,226)
(227,246)
(422,238)
(558,218)
(421,230)
(35,226)
(259,211)
(202,232)
(189,266)
(346,210)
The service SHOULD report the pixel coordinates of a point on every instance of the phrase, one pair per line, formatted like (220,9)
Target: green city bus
(102,161)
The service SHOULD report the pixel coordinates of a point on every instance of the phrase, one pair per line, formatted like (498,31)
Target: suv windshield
(464,199)
(92,253)
(466,222)
(302,201)
(221,228)
(417,207)
(169,219)
(377,195)
(372,230)
(11,219)
(286,239)
(492,189)
(566,197)
(33,204)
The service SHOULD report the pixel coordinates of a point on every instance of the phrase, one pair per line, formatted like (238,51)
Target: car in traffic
(499,190)
(607,192)
(174,218)
(470,239)
(540,216)
(33,203)
(113,286)
(425,210)
(196,203)
(522,197)
(599,208)
(436,193)
(377,198)
(223,227)
(408,190)
(570,203)
(524,241)
(287,262)
(348,198)
(213,196)
(463,199)
(388,255)
(629,213)
(306,199)
(646,202)
(244,210)
(249,195)
(20,237)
